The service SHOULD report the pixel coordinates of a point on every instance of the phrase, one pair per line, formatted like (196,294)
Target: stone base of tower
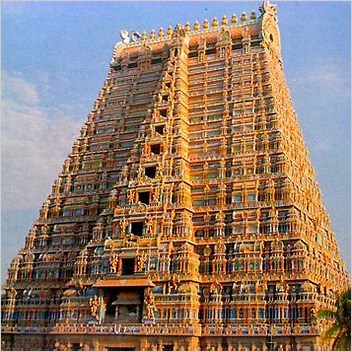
(162,342)
(74,342)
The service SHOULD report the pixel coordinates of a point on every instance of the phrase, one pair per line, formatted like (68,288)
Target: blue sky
(55,56)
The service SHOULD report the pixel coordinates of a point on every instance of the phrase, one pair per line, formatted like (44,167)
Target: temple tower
(187,216)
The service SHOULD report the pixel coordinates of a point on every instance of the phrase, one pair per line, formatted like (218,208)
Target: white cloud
(35,142)
(17,89)
(327,78)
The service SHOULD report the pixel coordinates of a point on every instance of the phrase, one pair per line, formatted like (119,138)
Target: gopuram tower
(187,216)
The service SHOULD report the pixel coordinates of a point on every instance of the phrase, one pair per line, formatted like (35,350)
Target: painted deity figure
(141,261)
(149,304)
(131,196)
(216,288)
(174,282)
(281,286)
(123,226)
(260,286)
(113,263)
(94,305)
(149,225)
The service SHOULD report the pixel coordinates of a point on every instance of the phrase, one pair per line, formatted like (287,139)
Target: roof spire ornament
(234,19)
(152,34)
(178,27)
(187,27)
(243,17)
(253,16)
(169,31)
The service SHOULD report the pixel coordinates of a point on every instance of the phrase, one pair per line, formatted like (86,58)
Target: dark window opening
(163,113)
(155,149)
(201,315)
(236,46)
(127,266)
(168,347)
(283,214)
(156,61)
(255,43)
(283,228)
(193,54)
(165,98)
(160,129)
(132,65)
(144,197)
(210,51)
(150,171)
(137,228)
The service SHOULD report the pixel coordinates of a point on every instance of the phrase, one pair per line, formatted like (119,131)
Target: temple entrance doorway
(123,305)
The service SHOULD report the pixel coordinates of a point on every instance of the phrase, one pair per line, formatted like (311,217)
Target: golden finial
(161,32)
(224,20)
(215,22)
(243,17)
(144,36)
(253,16)
(234,19)
(205,24)
(152,34)
(187,27)
(196,26)
(169,31)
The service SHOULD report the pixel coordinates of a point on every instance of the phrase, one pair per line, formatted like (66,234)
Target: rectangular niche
(159,129)
(137,228)
(155,148)
(144,197)
(150,171)
(127,266)
(163,113)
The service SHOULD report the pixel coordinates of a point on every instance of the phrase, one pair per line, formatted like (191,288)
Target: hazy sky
(55,57)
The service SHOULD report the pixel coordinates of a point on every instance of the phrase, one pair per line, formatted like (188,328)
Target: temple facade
(187,216)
